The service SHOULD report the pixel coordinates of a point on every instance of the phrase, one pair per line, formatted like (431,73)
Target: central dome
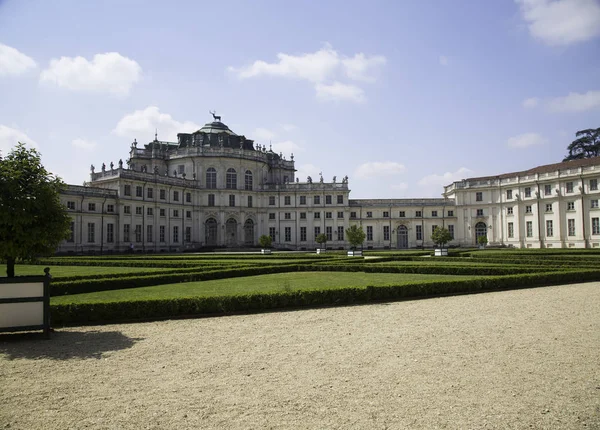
(216,127)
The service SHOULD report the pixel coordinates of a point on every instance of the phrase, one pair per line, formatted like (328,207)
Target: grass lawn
(253,284)
(58,271)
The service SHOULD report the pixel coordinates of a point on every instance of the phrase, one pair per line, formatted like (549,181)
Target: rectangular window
(369,232)
(402,214)
(386,232)
(162,212)
(271,200)
(595,226)
(593,184)
(450,213)
(110,233)
(340,199)
(188,197)
(175,213)
(232,200)
(71,206)
(126,232)
(138,233)
(127,190)
(386,214)
(569,187)
(419,232)
(369,214)
(451,231)
(71,237)
(327,200)
(188,214)
(92,207)
(163,194)
(511,230)
(328,215)
(175,196)
(571,227)
(479,196)
(91,232)
(249,201)
(508,194)
(528,209)
(150,193)
(287,200)
(329,233)
(139,210)
(529,225)
(231,180)
(340,215)
(149,211)
(110,208)
(316,200)
(317,215)
(548,207)
(175,234)
(211,200)
(594,204)
(352,214)
(302,215)
(287,215)
(161,233)
(149,231)
(479,212)
(138,191)
(549,228)
(527,191)
(302,200)
(272,233)
(547,189)
(248,180)
(433,213)
(272,216)
(340,233)
(288,234)
(317,231)
(302,234)
(126,209)
(418,214)
(188,234)
(570,206)
(181,169)
(509,210)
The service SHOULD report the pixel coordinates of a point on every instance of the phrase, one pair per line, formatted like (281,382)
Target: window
(91,232)
(571,227)
(569,187)
(188,214)
(317,215)
(138,233)
(175,196)
(479,196)
(127,190)
(511,230)
(110,233)
(271,200)
(369,214)
(71,237)
(479,212)
(593,184)
(340,215)
(450,213)
(418,214)
(288,234)
(163,194)
(138,191)
(527,191)
(548,207)
(302,234)
(352,214)
(175,213)
(232,200)
(272,233)
(126,232)
(433,213)
(249,201)
(316,200)
(175,234)
(161,233)
(329,233)
(162,212)
(419,232)
(317,231)
(369,232)
(570,206)
(594,204)
(302,215)
(328,215)
(287,215)
(327,200)
(528,209)
(509,210)
(211,178)
(340,199)
(287,200)
(188,234)
(529,225)
(231,183)
(211,200)
(433,227)
(126,209)
(386,214)
(92,207)
(149,230)
(402,214)
(595,226)
(386,232)
(451,231)
(549,228)
(248,181)
(188,197)
(302,200)
(340,233)
(547,189)
(71,206)
(150,193)
(181,169)
(139,210)
(110,208)
(509,195)
(272,216)
(149,211)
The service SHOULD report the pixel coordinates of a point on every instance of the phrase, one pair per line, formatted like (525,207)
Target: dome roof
(216,127)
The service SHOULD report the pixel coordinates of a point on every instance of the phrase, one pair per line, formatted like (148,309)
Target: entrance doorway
(231,232)
(402,237)
(210,232)
(249,232)
(480,230)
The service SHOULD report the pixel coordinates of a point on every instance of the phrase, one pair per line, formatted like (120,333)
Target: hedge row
(582,262)
(166,308)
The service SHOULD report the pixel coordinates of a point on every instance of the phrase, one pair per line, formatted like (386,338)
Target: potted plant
(265,243)
(482,241)
(321,239)
(441,236)
(356,236)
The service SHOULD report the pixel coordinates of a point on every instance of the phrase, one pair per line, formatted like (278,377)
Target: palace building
(214,188)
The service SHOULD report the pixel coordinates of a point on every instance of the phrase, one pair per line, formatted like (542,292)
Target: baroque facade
(214,188)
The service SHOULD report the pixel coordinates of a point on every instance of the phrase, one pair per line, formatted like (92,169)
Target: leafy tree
(482,240)
(321,239)
(441,236)
(265,241)
(356,236)
(33,221)
(586,145)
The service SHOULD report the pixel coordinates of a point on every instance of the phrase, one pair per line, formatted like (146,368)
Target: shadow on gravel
(63,345)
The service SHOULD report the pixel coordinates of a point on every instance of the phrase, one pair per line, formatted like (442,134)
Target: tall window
(91,232)
(272,233)
(547,189)
(211,200)
(317,200)
(329,233)
(163,194)
(595,226)
(149,231)
(529,228)
(569,187)
(511,230)
(302,200)
(451,230)
(188,234)
(175,234)
(302,234)
(127,190)
(317,231)
(150,193)
(340,199)
(386,232)
(340,232)
(138,191)
(549,228)
(479,196)
(287,200)
(327,200)
(527,191)
(175,196)
(571,227)
(288,234)
(249,201)
(110,233)
(369,232)
(508,194)
(139,210)
(248,180)
(161,233)
(71,237)
(211,178)
(126,209)
(593,184)
(126,232)
(232,200)
(150,211)
(231,183)
(419,232)
(138,233)
(188,197)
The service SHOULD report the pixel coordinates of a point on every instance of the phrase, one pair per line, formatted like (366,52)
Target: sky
(403,96)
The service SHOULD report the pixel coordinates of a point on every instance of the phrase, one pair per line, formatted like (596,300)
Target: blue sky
(401,96)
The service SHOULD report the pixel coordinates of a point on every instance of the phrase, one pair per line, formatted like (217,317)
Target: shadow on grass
(63,345)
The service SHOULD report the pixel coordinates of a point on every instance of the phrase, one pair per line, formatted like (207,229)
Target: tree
(356,236)
(321,239)
(587,145)
(482,240)
(441,236)
(33,221)
(265,241)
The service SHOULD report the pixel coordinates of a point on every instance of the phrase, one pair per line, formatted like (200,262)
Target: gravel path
(514,359)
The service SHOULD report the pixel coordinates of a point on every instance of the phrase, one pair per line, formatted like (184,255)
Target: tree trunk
(10,267)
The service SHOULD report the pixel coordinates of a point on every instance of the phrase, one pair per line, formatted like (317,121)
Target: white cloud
(288,127)
(379,168)
(13,62)
(10,137)
(446,178)
(339,92)
(287,147)
(531,102)
(86,145)
(561,22)
(526,140)
(361,68)
(443,60)
(575,102)
(110,72)
(142,123)
(263,134)
(400,187)
(306,170)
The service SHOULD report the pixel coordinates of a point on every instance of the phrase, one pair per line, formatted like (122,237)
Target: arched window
(248,182)
(211,178)
(480,230)
(231,183)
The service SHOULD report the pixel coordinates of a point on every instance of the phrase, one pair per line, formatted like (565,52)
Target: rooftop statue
(215,117)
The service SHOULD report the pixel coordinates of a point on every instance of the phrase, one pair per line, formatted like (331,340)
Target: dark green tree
(321,239)
(356,236)
(587,145)
(33,221)
(265,241)
(441,236)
